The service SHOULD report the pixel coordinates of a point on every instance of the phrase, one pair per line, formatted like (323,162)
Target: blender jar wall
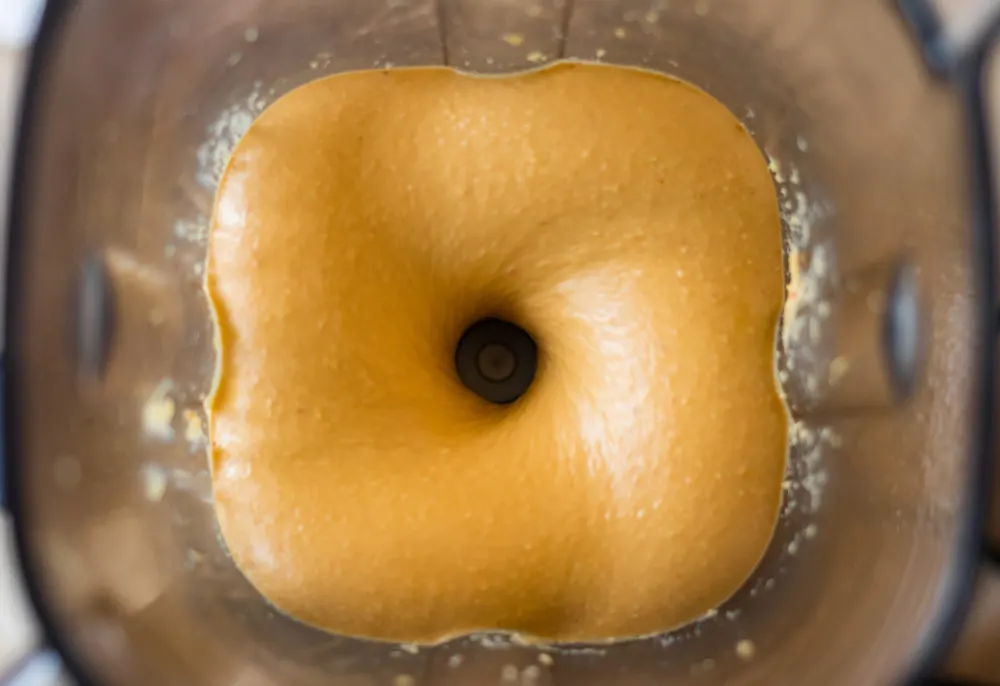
(135,106)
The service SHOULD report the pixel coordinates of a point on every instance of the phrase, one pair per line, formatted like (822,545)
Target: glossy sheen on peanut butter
(628,222)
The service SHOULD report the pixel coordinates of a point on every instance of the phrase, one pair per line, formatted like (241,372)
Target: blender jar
(887,350)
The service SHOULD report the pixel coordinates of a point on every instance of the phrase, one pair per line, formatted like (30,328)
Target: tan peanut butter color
(623,218)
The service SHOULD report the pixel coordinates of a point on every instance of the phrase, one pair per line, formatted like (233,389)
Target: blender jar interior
(137,104)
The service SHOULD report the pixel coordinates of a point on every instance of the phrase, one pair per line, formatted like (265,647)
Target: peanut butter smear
(628,222)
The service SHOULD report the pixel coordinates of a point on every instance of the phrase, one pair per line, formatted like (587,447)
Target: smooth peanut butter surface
(628,222)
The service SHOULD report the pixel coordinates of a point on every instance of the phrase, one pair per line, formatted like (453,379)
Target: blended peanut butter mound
(623,218)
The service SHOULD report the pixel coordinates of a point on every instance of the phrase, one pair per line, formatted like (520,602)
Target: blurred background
(17,22)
